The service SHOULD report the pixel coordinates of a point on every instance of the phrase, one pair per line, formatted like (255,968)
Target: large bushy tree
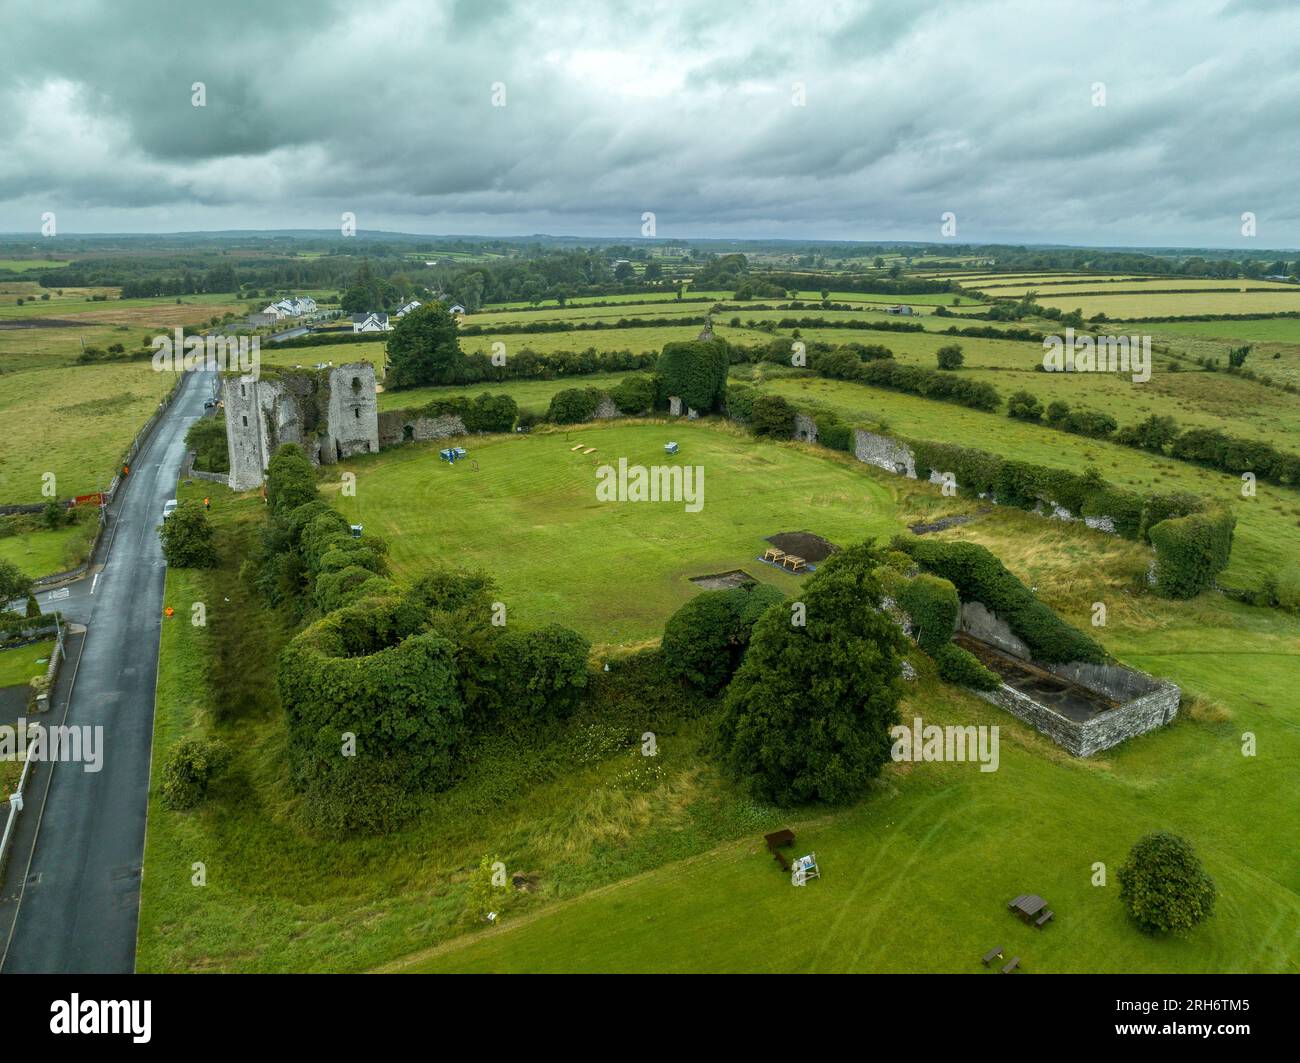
(14,583)
(187,538)
(808,713)
(1163,885)
(423,349)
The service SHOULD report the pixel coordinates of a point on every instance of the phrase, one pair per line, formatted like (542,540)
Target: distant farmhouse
(372,322)
(414,304)
(455,308)
(905,311)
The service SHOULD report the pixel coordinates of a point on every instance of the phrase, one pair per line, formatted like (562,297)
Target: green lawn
(530,394)
(45,552)
(19,665)
(613,571)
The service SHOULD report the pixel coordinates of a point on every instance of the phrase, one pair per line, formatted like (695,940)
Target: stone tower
(331,413)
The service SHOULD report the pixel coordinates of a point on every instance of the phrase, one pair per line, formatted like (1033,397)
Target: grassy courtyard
(525,508)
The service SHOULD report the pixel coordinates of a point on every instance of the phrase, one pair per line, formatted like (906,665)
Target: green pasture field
(1103,284)
(917,875)
(22,265)
(1280,330)
(1285,298)
(73,422)
(75,303)
(668,873)
(526,509)
(1197,398)
(1268,526)
(631,339)
(885,901)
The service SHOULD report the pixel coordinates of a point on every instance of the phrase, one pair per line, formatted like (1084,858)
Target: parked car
(169,507)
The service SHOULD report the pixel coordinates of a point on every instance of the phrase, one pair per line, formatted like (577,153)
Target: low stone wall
(1145,701)
(1102,731)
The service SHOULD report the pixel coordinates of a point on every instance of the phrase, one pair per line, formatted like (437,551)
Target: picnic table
(1027,906)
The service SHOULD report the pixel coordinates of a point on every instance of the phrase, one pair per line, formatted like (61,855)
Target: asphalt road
(80,902)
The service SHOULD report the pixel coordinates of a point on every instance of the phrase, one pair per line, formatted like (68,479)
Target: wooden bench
(793,563)
(1044,919)
(779,857)
(773,554)
(991,955)
(1015,962)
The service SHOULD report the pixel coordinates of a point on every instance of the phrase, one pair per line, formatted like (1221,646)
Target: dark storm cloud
(839,120)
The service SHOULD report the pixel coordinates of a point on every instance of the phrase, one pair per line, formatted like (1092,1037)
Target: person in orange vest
(207,503)
(169,612)
(126,469)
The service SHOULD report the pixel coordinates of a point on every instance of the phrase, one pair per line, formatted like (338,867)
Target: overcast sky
(385,108)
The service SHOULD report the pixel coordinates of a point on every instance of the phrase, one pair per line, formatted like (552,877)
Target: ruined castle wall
(392,425)
(883,452)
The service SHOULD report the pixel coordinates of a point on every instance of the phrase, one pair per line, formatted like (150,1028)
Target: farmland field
(74,423)
(1156,305)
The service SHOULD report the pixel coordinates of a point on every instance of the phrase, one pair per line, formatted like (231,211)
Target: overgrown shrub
(187,538)
(808,713)
(772,415)
(634,394)
(207,438)
(696,372)
(543,673)
(950,356)
(1192,550)
(573,405)
(705,640)
(1024,406)
(959,666)
(369,672)
(191,765)
(932,603)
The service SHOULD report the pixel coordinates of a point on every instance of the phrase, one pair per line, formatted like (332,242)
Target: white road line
(95,582)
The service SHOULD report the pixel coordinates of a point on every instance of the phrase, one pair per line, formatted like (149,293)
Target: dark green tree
(808,713)
(423,350)
(950,356)
(1163,886)
(187,538)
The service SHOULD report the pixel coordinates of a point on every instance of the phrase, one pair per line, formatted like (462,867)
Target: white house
(455,308)
(293,307)
(372,322)
(414,304)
